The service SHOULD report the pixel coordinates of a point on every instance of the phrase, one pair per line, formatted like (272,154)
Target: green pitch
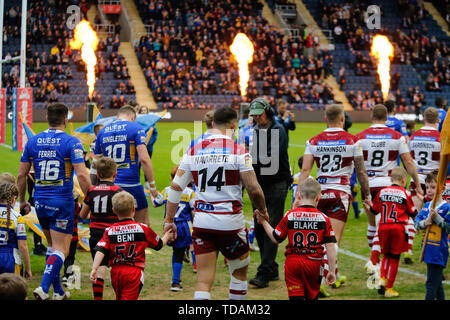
(410,282)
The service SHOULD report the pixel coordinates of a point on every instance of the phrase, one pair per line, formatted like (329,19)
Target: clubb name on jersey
(381,147)
(119,140)
(52,153)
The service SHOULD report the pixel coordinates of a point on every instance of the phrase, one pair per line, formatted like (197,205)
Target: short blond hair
(106,168)
(123,203)
(310,189)
(431,115)
(398,174)
(334,112)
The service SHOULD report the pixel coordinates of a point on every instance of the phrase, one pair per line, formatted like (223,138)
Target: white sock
(202,295)
(238,289)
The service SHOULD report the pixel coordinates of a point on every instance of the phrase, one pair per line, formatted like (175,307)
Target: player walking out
(381,147)
(220,168)
(308,231)
(54,155)
(395,205)
(335,151)
(124,142)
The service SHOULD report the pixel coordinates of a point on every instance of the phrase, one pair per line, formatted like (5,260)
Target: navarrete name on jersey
(118,138)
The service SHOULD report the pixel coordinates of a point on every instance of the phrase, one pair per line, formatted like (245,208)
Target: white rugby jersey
(381,147)
(334,151)
(425,146)
(216,163)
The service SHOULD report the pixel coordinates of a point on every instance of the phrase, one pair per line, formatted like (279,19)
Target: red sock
(393,269)
(97,289)
(384,267)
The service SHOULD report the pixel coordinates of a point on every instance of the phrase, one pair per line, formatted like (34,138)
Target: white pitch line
(357,256)
(6,146)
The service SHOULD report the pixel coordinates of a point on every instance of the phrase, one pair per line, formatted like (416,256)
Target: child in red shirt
(125,243)
(395,205)
(308,231)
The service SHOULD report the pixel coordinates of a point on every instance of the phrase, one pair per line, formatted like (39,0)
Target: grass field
(410,280)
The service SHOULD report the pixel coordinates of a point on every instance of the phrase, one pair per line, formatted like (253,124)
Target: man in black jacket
(271,165)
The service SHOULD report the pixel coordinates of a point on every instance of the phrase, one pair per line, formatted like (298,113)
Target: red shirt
(125,243)
(307,230)
(395,205)
(99,200)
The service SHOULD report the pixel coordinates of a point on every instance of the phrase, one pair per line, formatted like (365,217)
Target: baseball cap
(257,106)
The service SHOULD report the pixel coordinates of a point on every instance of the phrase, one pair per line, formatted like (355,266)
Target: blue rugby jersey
(52,153)
(185,207)
(119,140)
(442,115)
(397,125)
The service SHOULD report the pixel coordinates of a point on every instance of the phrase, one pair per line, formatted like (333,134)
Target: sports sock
(202,295)
(48,253)
(97,289)
(52,270)
(176,270)
(193,257)
(371,231)
(392,273)
(238,289)
(355,205)
(384,267)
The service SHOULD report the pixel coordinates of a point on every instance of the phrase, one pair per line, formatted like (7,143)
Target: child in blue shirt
(436,250)
(183,218)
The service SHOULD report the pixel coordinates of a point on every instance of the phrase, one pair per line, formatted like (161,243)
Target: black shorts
(96,235)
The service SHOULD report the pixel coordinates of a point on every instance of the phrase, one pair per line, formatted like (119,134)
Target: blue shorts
(56,214)
(140,200)
(184,238)
(7,262)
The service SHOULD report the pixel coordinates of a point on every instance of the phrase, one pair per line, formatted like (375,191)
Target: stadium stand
(55,72)
(187,64)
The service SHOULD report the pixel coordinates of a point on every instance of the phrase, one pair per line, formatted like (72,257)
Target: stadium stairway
(339,95)
(144,96)
(437,17)
(310,21)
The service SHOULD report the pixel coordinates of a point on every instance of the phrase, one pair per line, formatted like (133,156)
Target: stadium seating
(185,28)
(49,18)
(413,75)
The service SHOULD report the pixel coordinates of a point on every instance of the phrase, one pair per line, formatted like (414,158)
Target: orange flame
(242,49)
(85,38)
(383,50)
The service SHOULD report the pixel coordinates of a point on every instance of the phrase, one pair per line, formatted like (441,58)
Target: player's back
(52,153)
(334,151)
(99,200)
(425,148)
(307,230)
(442,115)
(395,205)
(118,140)
(216,163)
(381,147)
